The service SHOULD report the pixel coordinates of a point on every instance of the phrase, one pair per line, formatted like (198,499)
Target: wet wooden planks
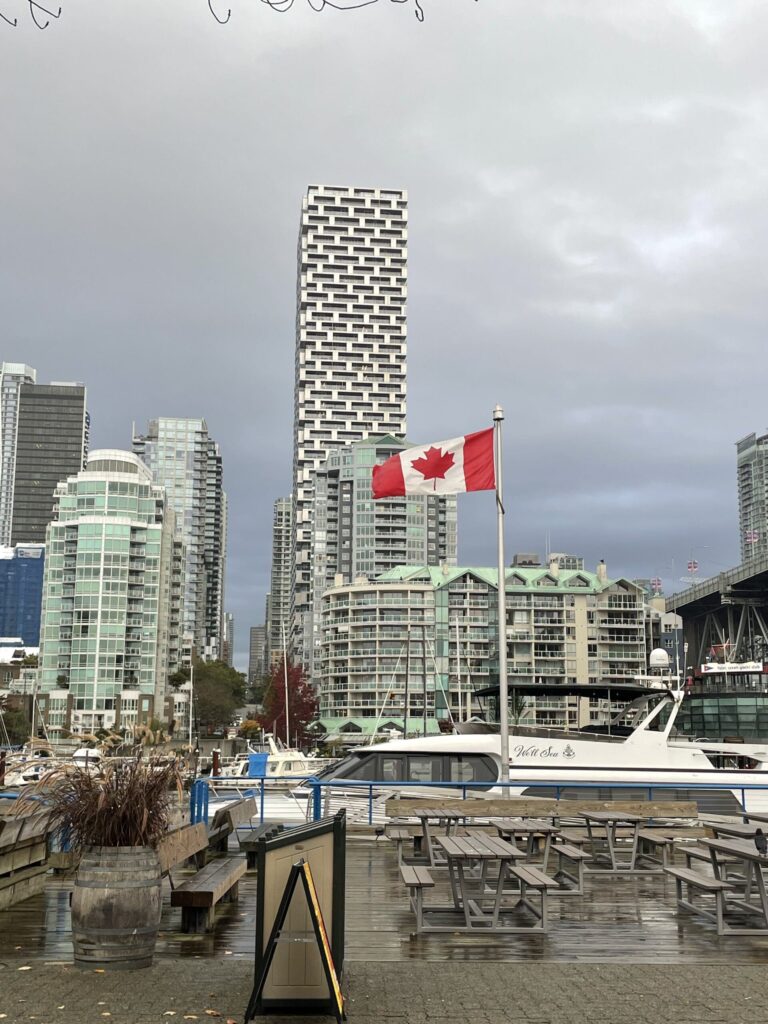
(625,919)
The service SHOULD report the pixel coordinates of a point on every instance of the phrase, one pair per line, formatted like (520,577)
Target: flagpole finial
(498,413)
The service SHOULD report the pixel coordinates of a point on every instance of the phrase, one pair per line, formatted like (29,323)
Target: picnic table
(532,831)
(437,818)
(602,829)
(744,851)
(480,867)
(733,829)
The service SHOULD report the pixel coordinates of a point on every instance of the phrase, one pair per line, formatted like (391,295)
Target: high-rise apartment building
(186,461)
(21,592)
(350,349)
(228,639)
(279,601)
(752,470)
(12,376)
(437,628)
(111,592)
(353,535)
(257,654)
(45,431)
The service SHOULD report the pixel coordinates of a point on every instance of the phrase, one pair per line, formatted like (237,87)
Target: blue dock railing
(318,788)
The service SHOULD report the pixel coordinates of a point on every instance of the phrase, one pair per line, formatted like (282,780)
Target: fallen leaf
(169,1013)
(190,1016)
(101,1003)
(213,1013)
(60,1007)
(25,968)
(18,947)
(98,970)
(3,1016)
(227,952)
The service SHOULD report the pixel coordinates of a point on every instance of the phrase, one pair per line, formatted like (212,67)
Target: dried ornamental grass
(127,804)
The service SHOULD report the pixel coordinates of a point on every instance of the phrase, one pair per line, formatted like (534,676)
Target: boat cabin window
(392,768)
(400,767)
(472,768)
(425,768)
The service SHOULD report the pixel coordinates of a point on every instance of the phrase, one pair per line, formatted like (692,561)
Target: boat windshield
(641,709)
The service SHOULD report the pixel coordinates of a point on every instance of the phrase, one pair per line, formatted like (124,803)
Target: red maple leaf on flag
(433,465)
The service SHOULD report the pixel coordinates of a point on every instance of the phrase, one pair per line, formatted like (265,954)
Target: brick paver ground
(397,993)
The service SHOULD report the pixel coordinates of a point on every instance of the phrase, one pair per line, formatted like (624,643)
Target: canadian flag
(444,467)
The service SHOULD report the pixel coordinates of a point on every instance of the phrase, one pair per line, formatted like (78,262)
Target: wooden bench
(399,836)
(226,820)
(198,896)
(180,845)
(416,879)
(23,856)
(532,878)
(652,846)
(249,841)
(697,853)
(569,856)
(695,882)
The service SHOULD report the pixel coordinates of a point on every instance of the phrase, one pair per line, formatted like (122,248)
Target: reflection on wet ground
(624,919)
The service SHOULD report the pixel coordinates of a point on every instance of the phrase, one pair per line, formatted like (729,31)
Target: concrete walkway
(206,989)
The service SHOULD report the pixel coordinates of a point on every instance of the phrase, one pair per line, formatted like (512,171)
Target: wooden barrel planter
(116,907)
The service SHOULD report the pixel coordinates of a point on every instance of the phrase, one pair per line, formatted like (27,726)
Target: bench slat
(570,852)
(535,878)
(416,877)
(654,837)
(207,887)
(697,879)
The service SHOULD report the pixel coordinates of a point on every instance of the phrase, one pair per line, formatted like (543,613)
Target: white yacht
(639,747)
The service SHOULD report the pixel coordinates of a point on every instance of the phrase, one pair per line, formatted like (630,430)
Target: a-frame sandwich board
(300,870)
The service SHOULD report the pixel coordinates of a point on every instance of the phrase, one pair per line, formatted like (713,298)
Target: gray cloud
(587,224)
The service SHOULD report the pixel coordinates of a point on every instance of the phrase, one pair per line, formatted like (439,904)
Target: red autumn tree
(302,705)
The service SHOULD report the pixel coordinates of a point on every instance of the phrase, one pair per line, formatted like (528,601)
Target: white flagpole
(498,418)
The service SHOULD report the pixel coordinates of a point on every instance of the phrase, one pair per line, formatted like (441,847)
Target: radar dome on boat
(658,658)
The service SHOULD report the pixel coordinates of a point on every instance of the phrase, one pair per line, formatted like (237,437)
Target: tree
(250,729)
(218,691)
(302,704)
(518,706)
(178,678)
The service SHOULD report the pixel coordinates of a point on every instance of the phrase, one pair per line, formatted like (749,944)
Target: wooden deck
(630,920)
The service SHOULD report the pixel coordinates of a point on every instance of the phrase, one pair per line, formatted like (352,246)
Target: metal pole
(498,418)
(424,653)
(191,693)
(458,674)
(285,674)
(407,676)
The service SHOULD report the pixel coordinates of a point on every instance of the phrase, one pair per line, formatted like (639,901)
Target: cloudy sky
(587,186)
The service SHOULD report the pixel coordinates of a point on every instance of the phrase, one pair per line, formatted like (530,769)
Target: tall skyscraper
(354,536)
(44,440)
(21,592)
(752,469)
(279,603)
(186,461)
(12,376)
(108,594)
(256,654)
(350,349)
(228,641)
